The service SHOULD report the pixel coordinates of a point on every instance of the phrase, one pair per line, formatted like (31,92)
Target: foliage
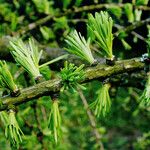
(4,117)
(6,79)
(27,56)
(142,2)
(13,131)
(129,12)
(78,46)
(102,103)
(55,120)
(143,142)
(47,33)
(145,98)
(101,26)
(148,41)
(50,22)
(71,76)
(43,6)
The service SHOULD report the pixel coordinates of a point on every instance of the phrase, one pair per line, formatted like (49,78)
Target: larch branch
(98,72)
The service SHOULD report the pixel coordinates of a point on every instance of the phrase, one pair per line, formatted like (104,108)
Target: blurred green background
(127,126)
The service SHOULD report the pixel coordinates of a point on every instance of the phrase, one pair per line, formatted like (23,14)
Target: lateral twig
(91,120)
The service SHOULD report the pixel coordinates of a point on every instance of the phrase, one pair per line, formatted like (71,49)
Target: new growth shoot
(27,55)
(79,46)
(13,131)
(71,75)
(6,79)
(55,120)
(102,104)
(101,27)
